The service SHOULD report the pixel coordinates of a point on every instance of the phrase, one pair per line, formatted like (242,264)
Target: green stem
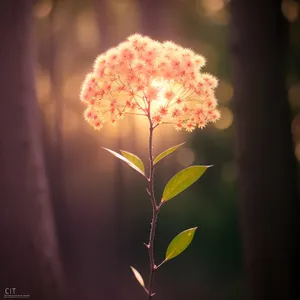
(155,211)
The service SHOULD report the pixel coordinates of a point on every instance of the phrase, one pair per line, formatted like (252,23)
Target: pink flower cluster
(161,81)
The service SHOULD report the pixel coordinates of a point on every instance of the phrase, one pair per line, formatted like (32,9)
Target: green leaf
(125,159)
(134,159)
(180,243)
(166,152)
(182,181)
(138,276)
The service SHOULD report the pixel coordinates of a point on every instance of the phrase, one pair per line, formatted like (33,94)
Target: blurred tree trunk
(113,268)
(54,152)
(29,253)
(105,21)
(156,19)
(266,163)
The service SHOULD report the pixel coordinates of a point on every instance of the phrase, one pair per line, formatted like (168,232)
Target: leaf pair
(176,247)
(177,183)
(135,162)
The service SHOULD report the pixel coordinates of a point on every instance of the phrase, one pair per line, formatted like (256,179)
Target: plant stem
(155,211)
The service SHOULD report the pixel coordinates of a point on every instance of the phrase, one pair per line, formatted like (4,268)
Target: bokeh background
(102,210)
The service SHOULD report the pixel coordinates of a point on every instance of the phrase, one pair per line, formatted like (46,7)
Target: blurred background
(107,212)
(101,208)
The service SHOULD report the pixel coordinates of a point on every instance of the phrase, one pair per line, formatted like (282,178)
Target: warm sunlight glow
(227,119)
(224,92)
(212,6)
(161,85)
(42,10)
(87,30)
(71,121)
(70,86)
(290,10)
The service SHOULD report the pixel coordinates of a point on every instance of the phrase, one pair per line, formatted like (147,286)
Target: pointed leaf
(124,159)
(166,152)
(134,159)
(138,276)
(182,181)
(180,243)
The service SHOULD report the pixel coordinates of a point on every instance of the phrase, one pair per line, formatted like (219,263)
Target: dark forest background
(73,218)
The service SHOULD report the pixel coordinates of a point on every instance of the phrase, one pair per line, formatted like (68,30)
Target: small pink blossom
(163,111)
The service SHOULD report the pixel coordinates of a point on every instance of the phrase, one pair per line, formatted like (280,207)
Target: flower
(161,81)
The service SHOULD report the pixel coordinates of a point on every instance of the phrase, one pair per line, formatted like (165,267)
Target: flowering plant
(162,82)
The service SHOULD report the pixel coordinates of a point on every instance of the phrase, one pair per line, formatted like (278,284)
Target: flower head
(161,81)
